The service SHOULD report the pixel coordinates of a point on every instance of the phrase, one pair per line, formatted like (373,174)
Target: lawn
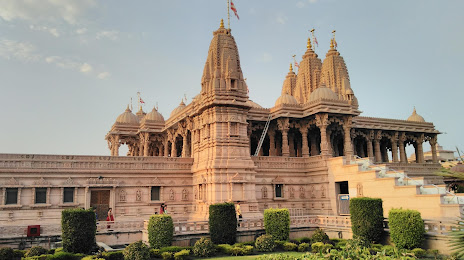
(295,254)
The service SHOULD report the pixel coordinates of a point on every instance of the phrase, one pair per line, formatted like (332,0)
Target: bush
(406,228)
(279,244)
(36,251)
(225,249)
(203,248)
(160,230)
(457,239)
(317,247)
(319,236)
(65,256)
(277,223)
(222,223)
(17,254)
(304,240)
(78,230)
(167,255)
(155,253)
(114,255)
(174,249)
(265,243)
(303,247)
(136,251)
(366,218)
(288,246)
(6,253)
(419,252)
(181,255)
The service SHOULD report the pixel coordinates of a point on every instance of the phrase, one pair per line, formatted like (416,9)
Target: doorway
(343,197)
(100,200)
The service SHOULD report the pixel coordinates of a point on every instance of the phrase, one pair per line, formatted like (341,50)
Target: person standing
(165,209)
(239,212)
(162,208)
(110,217)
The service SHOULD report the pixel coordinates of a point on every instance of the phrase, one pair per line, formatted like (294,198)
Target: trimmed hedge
(204,248)
(136,251)
(406,228)
(160,231)
(367,218)
(78,228)
(36,251)
(277,223)
(222,223)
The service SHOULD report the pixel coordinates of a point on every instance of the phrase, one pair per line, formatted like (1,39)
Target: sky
(68,68)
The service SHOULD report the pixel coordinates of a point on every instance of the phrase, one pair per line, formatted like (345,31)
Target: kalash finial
(309,46)
(222,24)
(331,44)
(291,68)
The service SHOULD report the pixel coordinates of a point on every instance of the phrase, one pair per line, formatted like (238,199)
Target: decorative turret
(178,109)
(222,74)
(308,74)
(415,117)
(127,118)
(289,82)
(335,75)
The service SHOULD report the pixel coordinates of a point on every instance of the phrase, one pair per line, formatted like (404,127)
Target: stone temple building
(316,150)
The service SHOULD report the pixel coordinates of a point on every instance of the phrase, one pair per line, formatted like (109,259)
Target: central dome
(127,118)
(322,92)
(415,117)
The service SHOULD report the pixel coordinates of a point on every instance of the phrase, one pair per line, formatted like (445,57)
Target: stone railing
(279,162)
(436,227)
(412,168)
(79,162)
(120,226)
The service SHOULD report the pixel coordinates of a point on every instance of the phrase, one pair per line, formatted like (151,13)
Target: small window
(68,195)
(11,196)
(155,193)
(40,195)
(278,190)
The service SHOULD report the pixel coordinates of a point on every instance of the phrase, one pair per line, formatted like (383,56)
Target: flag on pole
(232,7)
(335,43)
(315,41)
(297,65)
(141,100)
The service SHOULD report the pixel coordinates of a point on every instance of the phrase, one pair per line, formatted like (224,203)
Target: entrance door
(100,200)
(342,191)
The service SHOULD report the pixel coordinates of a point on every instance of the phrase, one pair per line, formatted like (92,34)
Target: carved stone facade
(202,154)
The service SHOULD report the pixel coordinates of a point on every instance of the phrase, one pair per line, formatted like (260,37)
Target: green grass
(296,254)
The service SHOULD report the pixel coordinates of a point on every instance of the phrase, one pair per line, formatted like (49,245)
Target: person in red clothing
(162,208)
(110,217)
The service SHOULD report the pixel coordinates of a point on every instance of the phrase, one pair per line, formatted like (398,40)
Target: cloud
(103,75)
(69,11)
(266,57)
(86,68)
(300,4)
(81,30)
(112,35)
(282,19)
(52,31)
(22,51)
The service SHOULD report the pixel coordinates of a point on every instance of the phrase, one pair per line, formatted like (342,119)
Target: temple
(310,153)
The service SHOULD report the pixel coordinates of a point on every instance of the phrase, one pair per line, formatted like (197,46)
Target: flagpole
(228,14)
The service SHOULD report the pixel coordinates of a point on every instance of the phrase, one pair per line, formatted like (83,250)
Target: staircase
(396,189)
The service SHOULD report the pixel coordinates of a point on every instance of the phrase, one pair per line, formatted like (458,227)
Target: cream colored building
(203,153)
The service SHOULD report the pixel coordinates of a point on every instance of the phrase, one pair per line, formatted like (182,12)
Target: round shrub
(366,218)
(288,246)
(78,228)
(277,223)
(265,243)
(319,236)
(419,252)
(136,251)
(160,230)
(35,251)
(6,253)
(167,255)
(203,248)
(406,228)
(317,247)
(303,247)
(155,253)
(222,223)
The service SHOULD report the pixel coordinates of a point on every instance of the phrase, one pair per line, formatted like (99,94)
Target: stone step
(433,189)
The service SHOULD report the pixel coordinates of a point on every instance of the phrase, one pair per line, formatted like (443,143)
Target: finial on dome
(222,23)
(128,109)
(291,68)
(331,44)
(414,110)
(309,44)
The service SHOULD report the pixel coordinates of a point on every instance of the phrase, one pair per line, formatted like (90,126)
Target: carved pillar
(322,121)
(378,155)
(370,149)
(348,146)
(271,134)
(284,126)
(394,141)
(173,147)
(420,149)
(433,145)
(314,150)
(166,148)
(116,145)
(402,139)
(184,146)
(146,143)
(304,137)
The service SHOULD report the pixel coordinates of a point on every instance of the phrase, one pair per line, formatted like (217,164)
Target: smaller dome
(154,115)
(286,99)
(179,108)
(127,118)
(415,117)
(322,92)
(253,104)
